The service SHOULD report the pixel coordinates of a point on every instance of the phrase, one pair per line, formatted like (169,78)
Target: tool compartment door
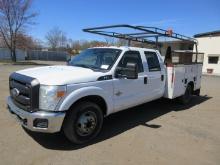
(179,81)
(175,81)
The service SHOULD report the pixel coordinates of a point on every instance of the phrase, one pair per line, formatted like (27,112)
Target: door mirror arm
(121,76)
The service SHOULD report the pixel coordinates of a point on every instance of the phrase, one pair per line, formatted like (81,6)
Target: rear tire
(83,122)
(197,92)
(186,98)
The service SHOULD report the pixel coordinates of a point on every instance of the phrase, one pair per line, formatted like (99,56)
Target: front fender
(86,91)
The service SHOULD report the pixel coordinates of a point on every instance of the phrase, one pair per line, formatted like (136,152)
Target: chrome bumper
(55,119)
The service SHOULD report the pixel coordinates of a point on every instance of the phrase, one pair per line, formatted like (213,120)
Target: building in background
(209,43)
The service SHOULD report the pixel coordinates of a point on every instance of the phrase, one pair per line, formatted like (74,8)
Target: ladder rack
(142,34)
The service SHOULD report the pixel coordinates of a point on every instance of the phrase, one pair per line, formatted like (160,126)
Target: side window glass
(133,57)
(152,61)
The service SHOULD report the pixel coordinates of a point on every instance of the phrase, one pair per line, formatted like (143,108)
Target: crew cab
(96,83)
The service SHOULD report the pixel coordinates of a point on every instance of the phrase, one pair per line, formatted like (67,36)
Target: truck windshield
(96,58)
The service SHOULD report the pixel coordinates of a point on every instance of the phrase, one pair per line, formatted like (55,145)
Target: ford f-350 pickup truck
(96,83)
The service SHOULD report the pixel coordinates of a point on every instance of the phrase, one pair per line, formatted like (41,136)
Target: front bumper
(54,119)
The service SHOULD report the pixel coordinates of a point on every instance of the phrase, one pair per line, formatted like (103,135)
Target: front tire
(83,122)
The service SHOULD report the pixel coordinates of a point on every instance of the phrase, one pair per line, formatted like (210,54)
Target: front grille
(24,91)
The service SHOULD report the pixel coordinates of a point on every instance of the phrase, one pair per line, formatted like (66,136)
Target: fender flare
(83,92)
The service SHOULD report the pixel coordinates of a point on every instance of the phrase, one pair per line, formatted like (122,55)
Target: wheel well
(95,99)
(192,85)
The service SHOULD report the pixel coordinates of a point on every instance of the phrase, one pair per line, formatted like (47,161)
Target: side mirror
(129,72)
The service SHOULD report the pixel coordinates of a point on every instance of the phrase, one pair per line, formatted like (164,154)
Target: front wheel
(187,96)
(83,122)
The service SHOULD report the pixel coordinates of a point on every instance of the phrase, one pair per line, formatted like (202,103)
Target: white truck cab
(96,83)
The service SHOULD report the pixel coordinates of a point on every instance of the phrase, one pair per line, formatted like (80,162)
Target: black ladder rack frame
(142,36)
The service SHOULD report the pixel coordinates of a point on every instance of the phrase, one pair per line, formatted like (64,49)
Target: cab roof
(124,48)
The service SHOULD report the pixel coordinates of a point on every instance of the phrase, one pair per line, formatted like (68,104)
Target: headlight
(50,96)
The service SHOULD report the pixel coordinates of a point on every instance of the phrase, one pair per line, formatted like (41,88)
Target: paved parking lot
(159,132)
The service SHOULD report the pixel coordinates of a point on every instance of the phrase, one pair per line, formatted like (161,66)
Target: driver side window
(132,57)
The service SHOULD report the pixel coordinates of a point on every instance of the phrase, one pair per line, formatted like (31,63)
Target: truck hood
(61,75)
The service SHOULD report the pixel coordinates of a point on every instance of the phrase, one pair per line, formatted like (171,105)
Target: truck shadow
(119,122)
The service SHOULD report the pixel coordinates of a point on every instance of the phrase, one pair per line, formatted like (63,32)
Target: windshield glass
(97,58)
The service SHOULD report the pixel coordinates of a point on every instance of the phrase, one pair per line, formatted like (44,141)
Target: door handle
(145,80)
(162,77)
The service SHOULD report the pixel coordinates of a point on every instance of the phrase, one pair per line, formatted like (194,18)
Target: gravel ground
(159,132)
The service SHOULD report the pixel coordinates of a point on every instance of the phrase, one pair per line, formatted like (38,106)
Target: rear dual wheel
(187,96)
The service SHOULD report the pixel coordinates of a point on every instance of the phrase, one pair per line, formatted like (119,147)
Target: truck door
(155,75)
(129,92)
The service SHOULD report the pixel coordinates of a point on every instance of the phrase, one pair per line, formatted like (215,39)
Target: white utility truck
(101,81)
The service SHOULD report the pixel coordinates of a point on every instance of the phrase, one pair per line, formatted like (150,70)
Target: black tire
(186,98)
(197,92)
(79,124)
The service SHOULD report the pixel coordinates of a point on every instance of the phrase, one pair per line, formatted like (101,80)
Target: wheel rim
(86,123)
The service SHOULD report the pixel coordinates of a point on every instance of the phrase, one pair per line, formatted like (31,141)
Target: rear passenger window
(133,57)
(152,61)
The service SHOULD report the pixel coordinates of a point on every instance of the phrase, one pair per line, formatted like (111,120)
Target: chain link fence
(5,54)
(47,55)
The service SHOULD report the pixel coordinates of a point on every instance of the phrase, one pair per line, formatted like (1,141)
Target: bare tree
(110,41)
(2,44)
(27,42)
(121,42)
(115,42)
(63,40)
(15,16)
(79,45)
(76,45)
(56,38)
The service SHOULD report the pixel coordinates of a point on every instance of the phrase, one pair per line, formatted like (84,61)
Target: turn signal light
(60,93)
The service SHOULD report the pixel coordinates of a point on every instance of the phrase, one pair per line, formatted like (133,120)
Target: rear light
(169,65)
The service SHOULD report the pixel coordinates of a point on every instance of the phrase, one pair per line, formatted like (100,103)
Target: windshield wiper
(87,66)
(83,66)
(92,67)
